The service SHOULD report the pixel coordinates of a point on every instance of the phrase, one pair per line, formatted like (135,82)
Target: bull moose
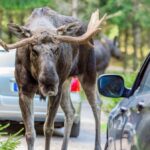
(53,47)
(104,50)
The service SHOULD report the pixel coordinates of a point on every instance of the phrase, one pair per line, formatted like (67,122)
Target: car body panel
(129,121)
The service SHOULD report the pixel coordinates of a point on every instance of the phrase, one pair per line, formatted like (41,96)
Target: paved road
(84,142)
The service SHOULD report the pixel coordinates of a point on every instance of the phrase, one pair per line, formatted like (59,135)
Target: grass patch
(12,142)
(82,94)
(103,127)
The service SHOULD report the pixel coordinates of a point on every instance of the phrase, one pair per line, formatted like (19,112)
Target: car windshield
(145,84)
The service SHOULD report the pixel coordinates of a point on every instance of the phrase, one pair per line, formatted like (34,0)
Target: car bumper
(10,110)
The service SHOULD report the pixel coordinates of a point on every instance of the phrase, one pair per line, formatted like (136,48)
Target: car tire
(75,131)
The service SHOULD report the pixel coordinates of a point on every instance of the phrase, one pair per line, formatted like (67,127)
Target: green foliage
(103,127)
(12,141)
(109,103)
(86,8)
(23,4)
(131,11)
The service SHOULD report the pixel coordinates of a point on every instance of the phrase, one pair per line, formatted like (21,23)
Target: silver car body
(9,100)
(129,121)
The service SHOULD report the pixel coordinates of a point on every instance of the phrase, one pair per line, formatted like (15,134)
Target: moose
(104,50)
(52,48)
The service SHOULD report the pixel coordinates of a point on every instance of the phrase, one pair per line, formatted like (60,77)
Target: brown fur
(44,67)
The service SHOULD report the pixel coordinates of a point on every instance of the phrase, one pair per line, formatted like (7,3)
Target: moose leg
(53,103)
(90,91)
(26,105)
(69,111)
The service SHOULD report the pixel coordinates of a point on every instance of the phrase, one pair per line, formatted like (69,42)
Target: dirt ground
(85,141)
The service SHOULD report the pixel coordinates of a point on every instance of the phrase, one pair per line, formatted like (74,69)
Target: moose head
(115,51)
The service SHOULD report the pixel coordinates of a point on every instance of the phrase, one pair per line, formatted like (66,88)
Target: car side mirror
(112,86)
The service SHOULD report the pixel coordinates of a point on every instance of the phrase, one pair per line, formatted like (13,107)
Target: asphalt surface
(85,141)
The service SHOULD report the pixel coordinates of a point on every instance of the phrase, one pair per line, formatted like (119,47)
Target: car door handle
(123,109)
(140,106)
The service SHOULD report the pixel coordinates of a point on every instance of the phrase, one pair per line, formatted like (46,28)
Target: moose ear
(19,31)
(116,42)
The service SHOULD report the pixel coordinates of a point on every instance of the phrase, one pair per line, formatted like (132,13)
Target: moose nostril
(48,83)
(42,81)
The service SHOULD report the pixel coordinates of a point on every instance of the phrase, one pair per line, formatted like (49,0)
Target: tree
(15,5)
(135,15)
(75,8)
(17,10)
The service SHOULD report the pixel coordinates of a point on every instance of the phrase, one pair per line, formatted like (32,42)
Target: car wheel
(75,131)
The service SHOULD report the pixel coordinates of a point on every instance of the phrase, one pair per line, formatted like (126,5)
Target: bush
(12,141)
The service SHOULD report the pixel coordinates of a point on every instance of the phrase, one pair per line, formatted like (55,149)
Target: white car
(9,100)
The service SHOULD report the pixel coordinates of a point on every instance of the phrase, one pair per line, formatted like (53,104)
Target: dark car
(129,122)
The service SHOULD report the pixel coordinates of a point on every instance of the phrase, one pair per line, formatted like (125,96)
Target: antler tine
(93,28)
(3,44)
(93,19)
(18,44)
(65,27)
(95,22)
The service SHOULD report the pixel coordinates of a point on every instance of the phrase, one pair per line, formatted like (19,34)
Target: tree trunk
(141,45)
(119,38)
(75,8)
(21,16)
(126,49)
(10,20)
(1,18)
(136,43)
(148,39)
(136,34)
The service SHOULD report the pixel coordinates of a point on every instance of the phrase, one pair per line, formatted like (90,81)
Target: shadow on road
(13,128)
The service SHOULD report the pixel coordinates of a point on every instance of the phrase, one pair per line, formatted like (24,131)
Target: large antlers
(93,28)
(35,39)
(17,44)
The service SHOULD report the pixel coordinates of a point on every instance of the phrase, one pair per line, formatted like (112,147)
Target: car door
(134,118)
(129,121)
(139,108)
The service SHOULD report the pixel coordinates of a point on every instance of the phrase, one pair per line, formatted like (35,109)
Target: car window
(145,83)
(7,59)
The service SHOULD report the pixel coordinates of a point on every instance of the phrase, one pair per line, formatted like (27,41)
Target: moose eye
(34,53)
